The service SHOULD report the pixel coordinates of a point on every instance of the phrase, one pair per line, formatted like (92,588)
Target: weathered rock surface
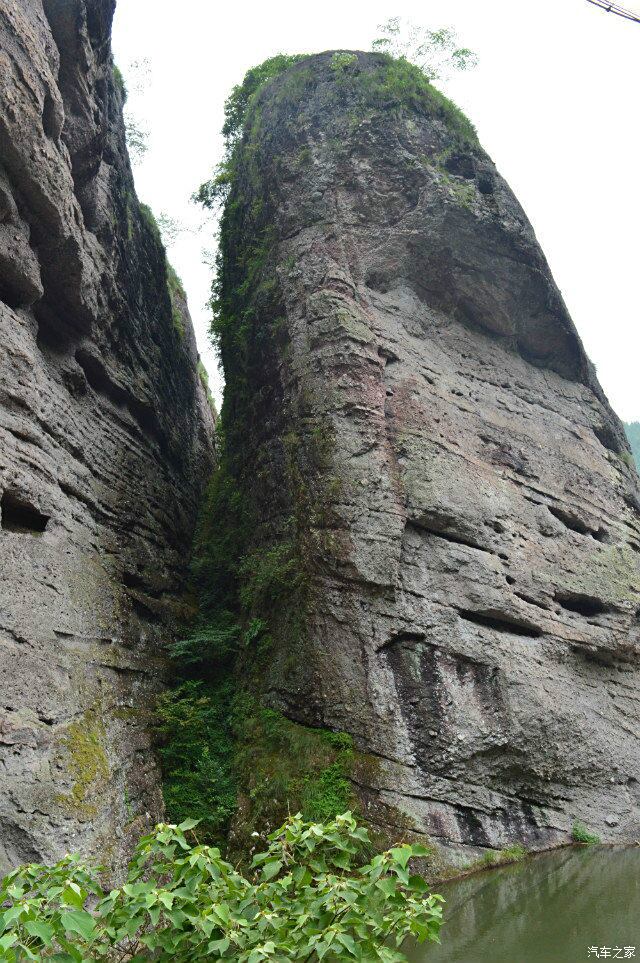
(476,562)
(105,443)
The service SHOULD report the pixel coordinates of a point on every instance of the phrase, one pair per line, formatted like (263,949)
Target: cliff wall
(410,409)
(106,440)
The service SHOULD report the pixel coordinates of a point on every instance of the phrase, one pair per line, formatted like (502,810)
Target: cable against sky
(616,8)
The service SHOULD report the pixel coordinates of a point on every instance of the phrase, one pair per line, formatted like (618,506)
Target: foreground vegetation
(311,895)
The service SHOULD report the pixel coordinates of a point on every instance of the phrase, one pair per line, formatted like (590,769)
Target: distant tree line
(633,434)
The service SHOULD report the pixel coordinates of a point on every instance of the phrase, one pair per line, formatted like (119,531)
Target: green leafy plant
(118,80)
(342,60)
(137,138)
(512,854)
(580,834)
(500,857)
(195,724)
(311,895)
(435,52)
(203,374)
(233,763)
(240,98)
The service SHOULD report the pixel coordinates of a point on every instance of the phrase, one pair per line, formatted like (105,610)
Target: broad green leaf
(71,897)
(40,929)
(272,868)
(221,911)
(402,855)
(80,922)
(219,946)
(387,886)
(418,884)
(348,942)
(188,824)
(419,850)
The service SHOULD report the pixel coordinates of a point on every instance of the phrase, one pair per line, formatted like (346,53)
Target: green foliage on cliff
(118,79)
(633,434)
(175,288)
(402,79)
(196,727)
(204,378)
(580,834)
(237,104)
(232,763)
(283,767)
(178,298)
(312,894)
(399,84)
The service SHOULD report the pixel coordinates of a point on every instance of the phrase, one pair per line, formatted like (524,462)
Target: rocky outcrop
(105,444)
(471,526)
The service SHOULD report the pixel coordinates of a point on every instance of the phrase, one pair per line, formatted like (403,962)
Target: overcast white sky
(555,101)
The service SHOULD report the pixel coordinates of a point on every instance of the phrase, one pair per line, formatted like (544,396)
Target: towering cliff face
(105,443)
(419,412)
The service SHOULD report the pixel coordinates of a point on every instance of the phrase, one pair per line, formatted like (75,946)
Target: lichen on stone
(84,754)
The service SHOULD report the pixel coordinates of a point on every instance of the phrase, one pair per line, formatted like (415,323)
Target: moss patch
(175,288)
(204,380)
(285,767)
(463,192)
(178,299)
(83,746)
(118,80)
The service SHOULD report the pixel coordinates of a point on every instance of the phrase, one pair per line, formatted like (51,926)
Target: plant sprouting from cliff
(435,52)
(580,834)
(118,80)
(237,103)
(137,137)
(311,895)
(342,60)
(136,133)
(215,191)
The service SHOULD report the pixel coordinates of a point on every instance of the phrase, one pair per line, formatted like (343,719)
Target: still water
(554,908)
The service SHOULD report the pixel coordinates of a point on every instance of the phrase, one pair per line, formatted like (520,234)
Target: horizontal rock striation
(472,529)
(106,439)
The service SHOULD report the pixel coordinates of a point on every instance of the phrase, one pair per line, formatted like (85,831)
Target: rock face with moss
(422,469)
(105,443)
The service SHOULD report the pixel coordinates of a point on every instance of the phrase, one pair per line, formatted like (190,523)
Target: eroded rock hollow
(425,415)
(106,440)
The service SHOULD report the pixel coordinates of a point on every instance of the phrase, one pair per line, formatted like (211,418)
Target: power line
(616,8)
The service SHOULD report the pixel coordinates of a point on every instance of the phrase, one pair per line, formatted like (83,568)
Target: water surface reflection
(550,909)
